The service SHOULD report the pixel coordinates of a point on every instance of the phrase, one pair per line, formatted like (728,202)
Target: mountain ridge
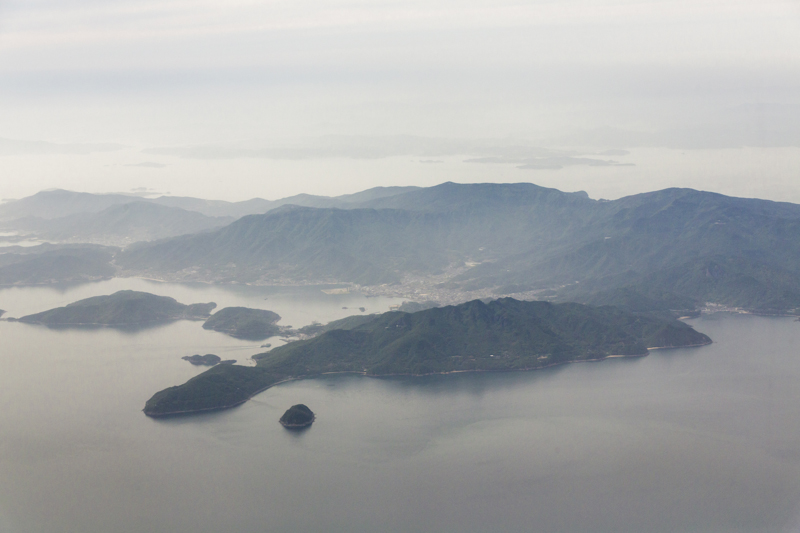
(455,242)
(509,236)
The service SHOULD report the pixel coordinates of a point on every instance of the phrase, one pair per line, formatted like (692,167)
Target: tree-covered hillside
(502,335)
(675,245)
(123,308)
(244,323)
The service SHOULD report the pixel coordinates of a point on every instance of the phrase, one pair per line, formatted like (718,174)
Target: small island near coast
(121,309)
(502,335)
(208,359)
(297,417)
(244,323)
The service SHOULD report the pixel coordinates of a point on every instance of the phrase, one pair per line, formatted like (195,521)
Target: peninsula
(123,308)
(503,335)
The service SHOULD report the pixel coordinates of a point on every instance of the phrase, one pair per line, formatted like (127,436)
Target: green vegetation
(505,334)
(208,359)
(655,303)
(502,335)
(123,308)
(297,416)
(244,323)
(348,322)
(219,387)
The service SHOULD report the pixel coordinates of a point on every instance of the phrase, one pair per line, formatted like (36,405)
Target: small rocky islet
(208,359)
(297,417)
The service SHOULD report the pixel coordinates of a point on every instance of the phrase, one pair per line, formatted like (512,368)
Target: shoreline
(676,347)
(365,374)
(298,426)
(101,325)
(409,292)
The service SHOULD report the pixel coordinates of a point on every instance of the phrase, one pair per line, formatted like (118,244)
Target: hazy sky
(239,98)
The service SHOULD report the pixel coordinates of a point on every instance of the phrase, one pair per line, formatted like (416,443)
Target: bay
(696,440)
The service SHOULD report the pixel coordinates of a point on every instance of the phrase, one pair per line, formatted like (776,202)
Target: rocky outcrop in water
(208,359)
(297,416)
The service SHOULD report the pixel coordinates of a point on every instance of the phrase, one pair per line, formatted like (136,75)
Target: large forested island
(123,308)
(244,323)
(503,335)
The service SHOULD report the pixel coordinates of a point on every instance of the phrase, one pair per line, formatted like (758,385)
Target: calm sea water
(692,440)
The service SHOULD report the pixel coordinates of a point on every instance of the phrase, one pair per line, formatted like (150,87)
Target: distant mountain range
(60,216)
(57,203)
(420,232)
(120,224)
(674,249)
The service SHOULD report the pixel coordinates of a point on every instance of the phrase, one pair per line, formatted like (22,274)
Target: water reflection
(478,383)
(127,329)
(297,433)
